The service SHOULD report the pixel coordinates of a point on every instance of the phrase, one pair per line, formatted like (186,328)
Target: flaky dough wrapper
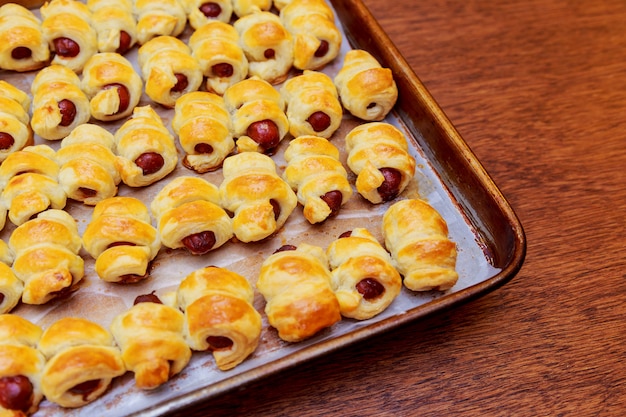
(22,44)
(15,130)
(115,24)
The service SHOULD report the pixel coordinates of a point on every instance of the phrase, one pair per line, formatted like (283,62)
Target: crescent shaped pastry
(115,24)
(257,114)
(145,148)
(296,286)
(367,90)
(15,130)
(156,18)
(201,12)
(121,239)
(216,47)
(203,127)
(59,103)
(313,106)
(113,86)
(22,45)
(168,69)
(47,257)
(68,30)
(417,237)
(260,200)
(245,7)
(378,154)
(82,361)
(363,276)
(21,366)
(316,174)
(189,215)
(316,38)
(267,45)
(150,336)
(219,315)
(88,172)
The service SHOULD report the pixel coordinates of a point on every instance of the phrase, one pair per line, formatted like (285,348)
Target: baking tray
(488,234)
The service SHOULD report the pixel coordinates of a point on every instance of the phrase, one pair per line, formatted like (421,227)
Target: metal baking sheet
(490,240)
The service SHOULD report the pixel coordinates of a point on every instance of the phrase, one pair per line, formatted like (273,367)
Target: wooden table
(538,90)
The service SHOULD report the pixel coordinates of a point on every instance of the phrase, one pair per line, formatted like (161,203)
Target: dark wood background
(537,88)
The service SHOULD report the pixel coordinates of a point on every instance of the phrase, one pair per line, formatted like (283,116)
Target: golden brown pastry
(59,103)
(82,361)
(363,276)
(378,154)
(260,200)
(11,287)
(296,286)
(115,24)
(201,12)
(122,240)
(150,336)
(258,115)
(417,237)
(145,148)
(219,315)
(22,45)
(280,4)
(168,69)
(313,106)
(316,38)
(189,215)
(245,7)
(68,30)
(267,45)
(203,127)
(316,174)
(29,183)
(15,130)
(47,256)
(216,47)
(113,86)
(88,172)
(156,18)
(21,365)
(367,90)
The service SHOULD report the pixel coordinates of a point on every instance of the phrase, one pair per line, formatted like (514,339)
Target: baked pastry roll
(364,278)
(115,24)
(296,286)
(22,45)
(29,182)
(82,361)
(316,174)
(260,200)
(156,18)
(145,148)
(267,45)
(21,365)
(189,215)
(316,38)
(313,106)
(220,315)
(47,256)
(367,90)
(201,12)
(15,130)
(378,154)
(59,103)
(203,127)
(113,86)
(258,115)
(68,30)
(417,237)
(88,172)
(246,7)
(122,240)
(168,69)
(150,336)
(216,47)
(10,286)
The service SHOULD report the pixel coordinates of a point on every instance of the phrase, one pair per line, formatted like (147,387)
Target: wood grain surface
(537,88)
